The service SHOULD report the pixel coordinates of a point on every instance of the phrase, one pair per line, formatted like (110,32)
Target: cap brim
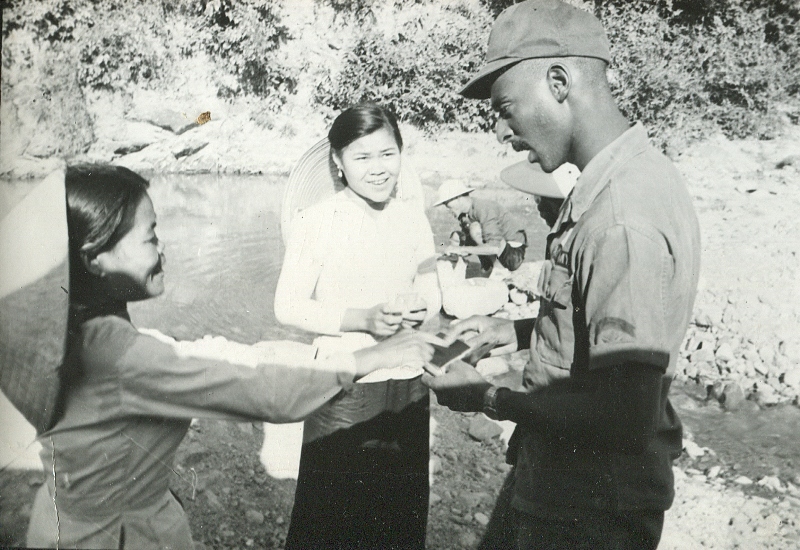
(480,86)
(530,178)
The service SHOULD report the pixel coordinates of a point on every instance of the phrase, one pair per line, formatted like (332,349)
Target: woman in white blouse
(353,262)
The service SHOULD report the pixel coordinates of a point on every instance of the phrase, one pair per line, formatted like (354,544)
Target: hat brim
(313,179)
(462,193)
(530,178)
(480,86)
(34,302)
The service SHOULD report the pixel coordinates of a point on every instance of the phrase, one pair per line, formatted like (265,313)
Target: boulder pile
(726,352)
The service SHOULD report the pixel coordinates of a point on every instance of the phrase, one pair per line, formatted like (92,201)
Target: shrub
(685,77)
(417,69)
(243,38)
(49,114)
(116,55)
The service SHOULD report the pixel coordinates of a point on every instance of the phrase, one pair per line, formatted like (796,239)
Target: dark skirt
(366,486)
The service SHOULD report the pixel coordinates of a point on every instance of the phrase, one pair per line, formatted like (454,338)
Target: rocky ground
(741,359)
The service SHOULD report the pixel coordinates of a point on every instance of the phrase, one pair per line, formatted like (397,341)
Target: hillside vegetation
(685,68)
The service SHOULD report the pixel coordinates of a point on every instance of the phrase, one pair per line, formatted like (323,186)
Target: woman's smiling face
(133,269)
(371,165)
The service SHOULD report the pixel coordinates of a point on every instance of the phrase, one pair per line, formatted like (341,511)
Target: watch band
(490,402)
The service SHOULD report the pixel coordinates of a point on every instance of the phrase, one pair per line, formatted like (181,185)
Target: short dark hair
(101,207)
(362,120)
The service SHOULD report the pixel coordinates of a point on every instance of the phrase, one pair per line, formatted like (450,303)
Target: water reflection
(224,254)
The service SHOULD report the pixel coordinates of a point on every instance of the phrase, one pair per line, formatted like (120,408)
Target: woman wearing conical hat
(127,399)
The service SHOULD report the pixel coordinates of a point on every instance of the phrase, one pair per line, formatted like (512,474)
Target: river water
(224,252)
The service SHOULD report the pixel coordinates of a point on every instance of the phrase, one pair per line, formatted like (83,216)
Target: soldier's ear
(559,80)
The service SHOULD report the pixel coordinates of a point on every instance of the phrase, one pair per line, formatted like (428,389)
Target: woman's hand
(404,348)
(379,321)
(411,307)
(382,320)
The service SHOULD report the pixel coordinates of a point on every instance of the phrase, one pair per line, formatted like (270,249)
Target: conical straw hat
(315,177)
(34,280)
(530,178)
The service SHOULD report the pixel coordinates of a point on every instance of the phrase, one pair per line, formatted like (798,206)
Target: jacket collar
(596,174)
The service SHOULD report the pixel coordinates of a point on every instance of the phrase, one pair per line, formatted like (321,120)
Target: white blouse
(343,254)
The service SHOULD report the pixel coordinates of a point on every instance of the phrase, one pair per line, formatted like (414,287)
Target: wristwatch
(490,402)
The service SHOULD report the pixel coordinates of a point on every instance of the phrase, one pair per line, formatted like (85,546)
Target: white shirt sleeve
(302,265)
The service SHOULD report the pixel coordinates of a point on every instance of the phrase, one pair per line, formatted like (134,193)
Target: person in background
(596,433)
(487,230)
(355,272)
(128,398)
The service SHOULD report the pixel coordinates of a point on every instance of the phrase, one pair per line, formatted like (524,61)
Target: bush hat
(315,177)
(34,304)
(530,178)
(450,190)
(533,29)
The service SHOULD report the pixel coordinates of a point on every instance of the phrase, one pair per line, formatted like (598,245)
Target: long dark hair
(362,120)
(101,206)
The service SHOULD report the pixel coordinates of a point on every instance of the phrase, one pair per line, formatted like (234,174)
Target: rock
(279,520)
(693,449)
(783,363)
(724,353)
(152,158)
(169,120)
(42,146)
(185,147)
(708,316)
(730,315)
(732,396)
(482,518)
(751,354)
(766,395)
(704,354)
(792,377)
(483,429)
(468,539)
(790,349)
(791,160)
(772,482)
(767,354)
(706,369)
(254,516)
(473,499)
(760,367)
(713,472)
(743,480)
(434,499)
